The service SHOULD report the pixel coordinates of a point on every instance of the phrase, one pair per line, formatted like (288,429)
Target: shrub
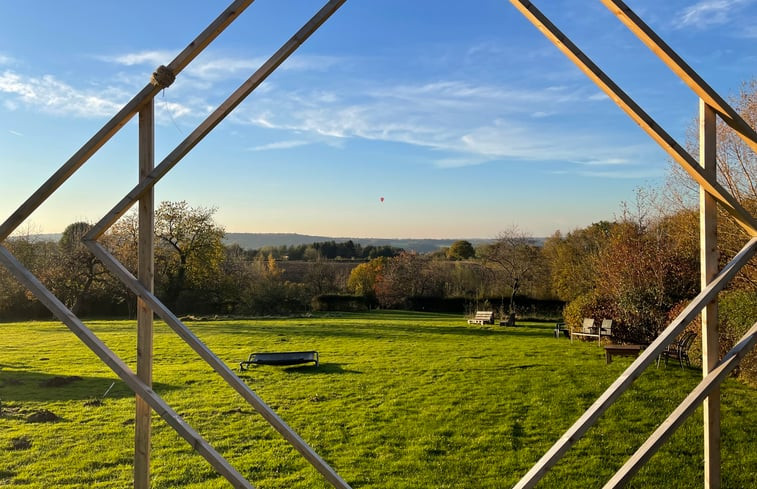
(339,302)
(738,312)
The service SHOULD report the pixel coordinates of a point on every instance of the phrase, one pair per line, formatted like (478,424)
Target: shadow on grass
(373,330)
(322,368)
(16,385)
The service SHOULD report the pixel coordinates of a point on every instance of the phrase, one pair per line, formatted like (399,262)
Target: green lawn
(401,400)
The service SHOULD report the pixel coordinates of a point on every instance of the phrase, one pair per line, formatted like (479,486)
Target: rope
(163,77)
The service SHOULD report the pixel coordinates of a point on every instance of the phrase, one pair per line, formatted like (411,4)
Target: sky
(460,115)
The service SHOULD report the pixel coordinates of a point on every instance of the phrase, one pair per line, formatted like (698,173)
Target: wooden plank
(708,250)
(217,364)
(684,410)
(635,112)
(215,118)
(683,70)
(118,121)
(121,369)
(145,252)
(625,380)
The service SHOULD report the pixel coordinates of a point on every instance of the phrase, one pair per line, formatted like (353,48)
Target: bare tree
(517,260)
(737,172)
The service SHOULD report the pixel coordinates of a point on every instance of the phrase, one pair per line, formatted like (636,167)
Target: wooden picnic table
(622,350)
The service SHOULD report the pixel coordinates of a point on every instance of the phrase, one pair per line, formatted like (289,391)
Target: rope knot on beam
(163,77)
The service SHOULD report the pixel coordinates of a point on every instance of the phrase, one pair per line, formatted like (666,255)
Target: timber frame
(712,105)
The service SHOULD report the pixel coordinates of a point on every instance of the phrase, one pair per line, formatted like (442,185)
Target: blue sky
(460,114)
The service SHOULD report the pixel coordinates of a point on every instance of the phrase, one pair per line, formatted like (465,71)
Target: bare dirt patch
(43,416)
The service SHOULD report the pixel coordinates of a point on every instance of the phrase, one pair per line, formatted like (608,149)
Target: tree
(516,259)
(77,272)
(572,259)
(324,278)
(737,172)
(37,256)
(645,276)
(461,250)
(364,278)
(405,276)
(189,250)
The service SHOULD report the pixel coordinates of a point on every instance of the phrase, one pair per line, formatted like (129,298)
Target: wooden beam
(625,380)
(216,363)
(683,70)
(122,370)
(685,409)
(708,252)
(635,112)
(214,118)
(118,121)
(145,253)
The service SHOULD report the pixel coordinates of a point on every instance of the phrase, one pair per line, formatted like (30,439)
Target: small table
(622,350)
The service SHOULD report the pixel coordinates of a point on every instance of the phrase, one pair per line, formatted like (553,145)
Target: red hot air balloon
(381,199)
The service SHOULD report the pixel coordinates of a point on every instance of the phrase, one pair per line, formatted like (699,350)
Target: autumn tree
(364,278)
(572,259)
(737,172)
(645,276)
(189,248)
(77,273)
(37,256)
(405,276)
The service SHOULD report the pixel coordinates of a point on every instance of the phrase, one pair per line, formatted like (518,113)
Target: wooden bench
(482,317)
(280,358)
(588,330)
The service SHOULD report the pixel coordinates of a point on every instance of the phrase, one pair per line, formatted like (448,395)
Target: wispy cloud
(212,67)
(51,95)
(633,173)
(467,124)
(15,133)
(152,58)
(708,13)
(280,145)
(5,60)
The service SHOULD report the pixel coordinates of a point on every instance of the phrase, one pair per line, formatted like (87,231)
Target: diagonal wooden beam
(633,110)
(120,119)
(684,410)
(685,72)
(582,425)
(215,118)
(144,294)
(122,370)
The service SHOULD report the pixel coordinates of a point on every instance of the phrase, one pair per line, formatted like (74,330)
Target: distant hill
(254,241)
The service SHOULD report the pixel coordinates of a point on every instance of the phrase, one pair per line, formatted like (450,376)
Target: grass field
(400,400)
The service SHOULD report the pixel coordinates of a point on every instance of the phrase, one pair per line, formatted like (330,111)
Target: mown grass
(401,400)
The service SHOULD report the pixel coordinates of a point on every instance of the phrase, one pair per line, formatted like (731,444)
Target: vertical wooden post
(708,269)
(144,312)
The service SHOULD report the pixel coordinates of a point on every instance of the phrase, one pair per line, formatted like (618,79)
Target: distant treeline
(328,250)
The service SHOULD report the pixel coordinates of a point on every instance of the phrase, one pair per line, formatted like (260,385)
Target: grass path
(401,400)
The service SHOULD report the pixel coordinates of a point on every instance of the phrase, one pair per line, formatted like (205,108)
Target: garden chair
(679,350)
(606,328)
